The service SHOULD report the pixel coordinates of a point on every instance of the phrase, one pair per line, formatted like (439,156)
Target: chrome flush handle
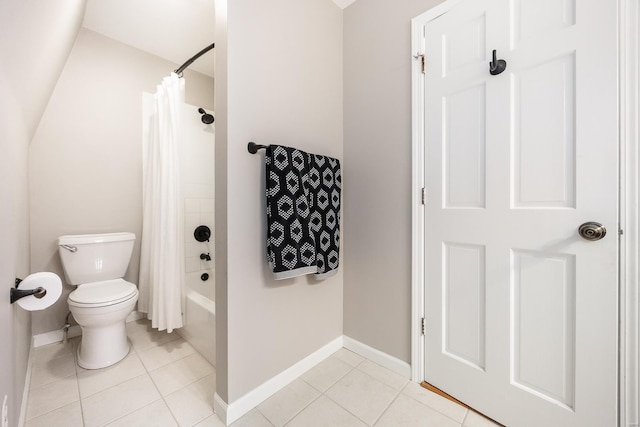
(70,248)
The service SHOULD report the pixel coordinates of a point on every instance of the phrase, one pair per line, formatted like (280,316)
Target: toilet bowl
(102,300)
(100,309)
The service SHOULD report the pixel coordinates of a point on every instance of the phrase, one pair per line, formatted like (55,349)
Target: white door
(520,311)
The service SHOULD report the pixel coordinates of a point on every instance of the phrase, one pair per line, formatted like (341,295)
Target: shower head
(207,119)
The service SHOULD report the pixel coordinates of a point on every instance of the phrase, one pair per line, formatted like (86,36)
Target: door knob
(592,231)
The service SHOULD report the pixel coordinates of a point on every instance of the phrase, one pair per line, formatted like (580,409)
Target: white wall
(377,164)
(284,86)
(15,332)
(86,156)
(35,40)
(221,196)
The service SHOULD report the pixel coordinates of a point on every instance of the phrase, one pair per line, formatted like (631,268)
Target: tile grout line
(74,354)
(301,409)
(322,393)
(437,410)
(464,420)
(353,368)
(156,387)
(387,408)
(398,392)
(27,419)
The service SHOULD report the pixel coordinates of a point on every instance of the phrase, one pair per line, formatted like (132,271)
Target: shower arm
(193,58)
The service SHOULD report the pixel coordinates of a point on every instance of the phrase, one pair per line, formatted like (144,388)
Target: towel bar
(253,147)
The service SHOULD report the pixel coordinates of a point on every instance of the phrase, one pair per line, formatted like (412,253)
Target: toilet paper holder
(16,293)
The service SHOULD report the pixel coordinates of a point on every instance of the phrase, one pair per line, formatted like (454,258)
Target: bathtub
(200,324)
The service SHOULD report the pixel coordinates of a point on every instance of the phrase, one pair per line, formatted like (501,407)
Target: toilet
(102,300)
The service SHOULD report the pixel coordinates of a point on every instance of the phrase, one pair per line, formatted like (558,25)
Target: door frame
(629,221)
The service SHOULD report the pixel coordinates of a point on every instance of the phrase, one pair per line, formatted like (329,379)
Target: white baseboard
(74,331)
(229,413)
(220,408)
(383,359)
(55,336)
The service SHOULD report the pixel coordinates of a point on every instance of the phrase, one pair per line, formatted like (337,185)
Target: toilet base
(104,334)
(102,347)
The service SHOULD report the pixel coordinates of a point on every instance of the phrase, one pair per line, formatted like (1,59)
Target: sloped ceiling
(171,29)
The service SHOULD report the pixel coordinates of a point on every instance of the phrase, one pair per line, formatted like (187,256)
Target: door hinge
(422,326)
(420,56)
(424,195)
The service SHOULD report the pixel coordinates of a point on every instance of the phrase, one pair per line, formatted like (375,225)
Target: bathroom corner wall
(377,158)
(221,195)
(86,155)
(15,333)
(35,40)
(284,87)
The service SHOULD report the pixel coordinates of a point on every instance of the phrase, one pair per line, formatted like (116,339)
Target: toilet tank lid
(84,239)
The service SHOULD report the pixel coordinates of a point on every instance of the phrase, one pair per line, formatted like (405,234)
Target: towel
(303,213)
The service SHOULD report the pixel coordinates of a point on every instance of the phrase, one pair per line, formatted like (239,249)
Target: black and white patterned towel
(303,213)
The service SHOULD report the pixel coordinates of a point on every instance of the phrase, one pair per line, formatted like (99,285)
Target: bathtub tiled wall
(199,211)
(198,157)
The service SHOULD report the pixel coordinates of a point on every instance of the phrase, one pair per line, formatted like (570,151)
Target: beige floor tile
(52,396)
(193,403)
(383,374)
(408,412)
(52,351)
(143,336)
(285,404)
(211,421)
(156,414)
(67,416)
(116,402)
(181,373)
(475,420)
(325,413)
(158,356)
(439,403)
(92,381)
(252,419)
(326,373)
(348,357)
(50,370)
(362,395)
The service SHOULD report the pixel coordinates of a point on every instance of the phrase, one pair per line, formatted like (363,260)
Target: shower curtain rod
(193,58)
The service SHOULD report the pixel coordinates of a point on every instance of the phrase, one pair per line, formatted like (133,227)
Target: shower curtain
(162,247)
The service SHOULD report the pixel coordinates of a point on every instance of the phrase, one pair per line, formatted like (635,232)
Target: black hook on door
(497,66)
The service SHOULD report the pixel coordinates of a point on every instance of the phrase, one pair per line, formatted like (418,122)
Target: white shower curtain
(162,250)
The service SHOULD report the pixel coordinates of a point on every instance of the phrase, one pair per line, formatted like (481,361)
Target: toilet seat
(101,294)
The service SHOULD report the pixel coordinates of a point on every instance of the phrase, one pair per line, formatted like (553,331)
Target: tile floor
(165,382)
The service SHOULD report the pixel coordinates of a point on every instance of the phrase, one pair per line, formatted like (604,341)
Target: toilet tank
(95,257)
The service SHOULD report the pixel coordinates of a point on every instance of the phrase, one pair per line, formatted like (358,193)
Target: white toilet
(102,300)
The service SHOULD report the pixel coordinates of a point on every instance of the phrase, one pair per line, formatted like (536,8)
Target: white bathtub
(200,325)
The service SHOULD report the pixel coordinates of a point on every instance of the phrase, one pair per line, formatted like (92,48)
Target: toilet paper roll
(49,281)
